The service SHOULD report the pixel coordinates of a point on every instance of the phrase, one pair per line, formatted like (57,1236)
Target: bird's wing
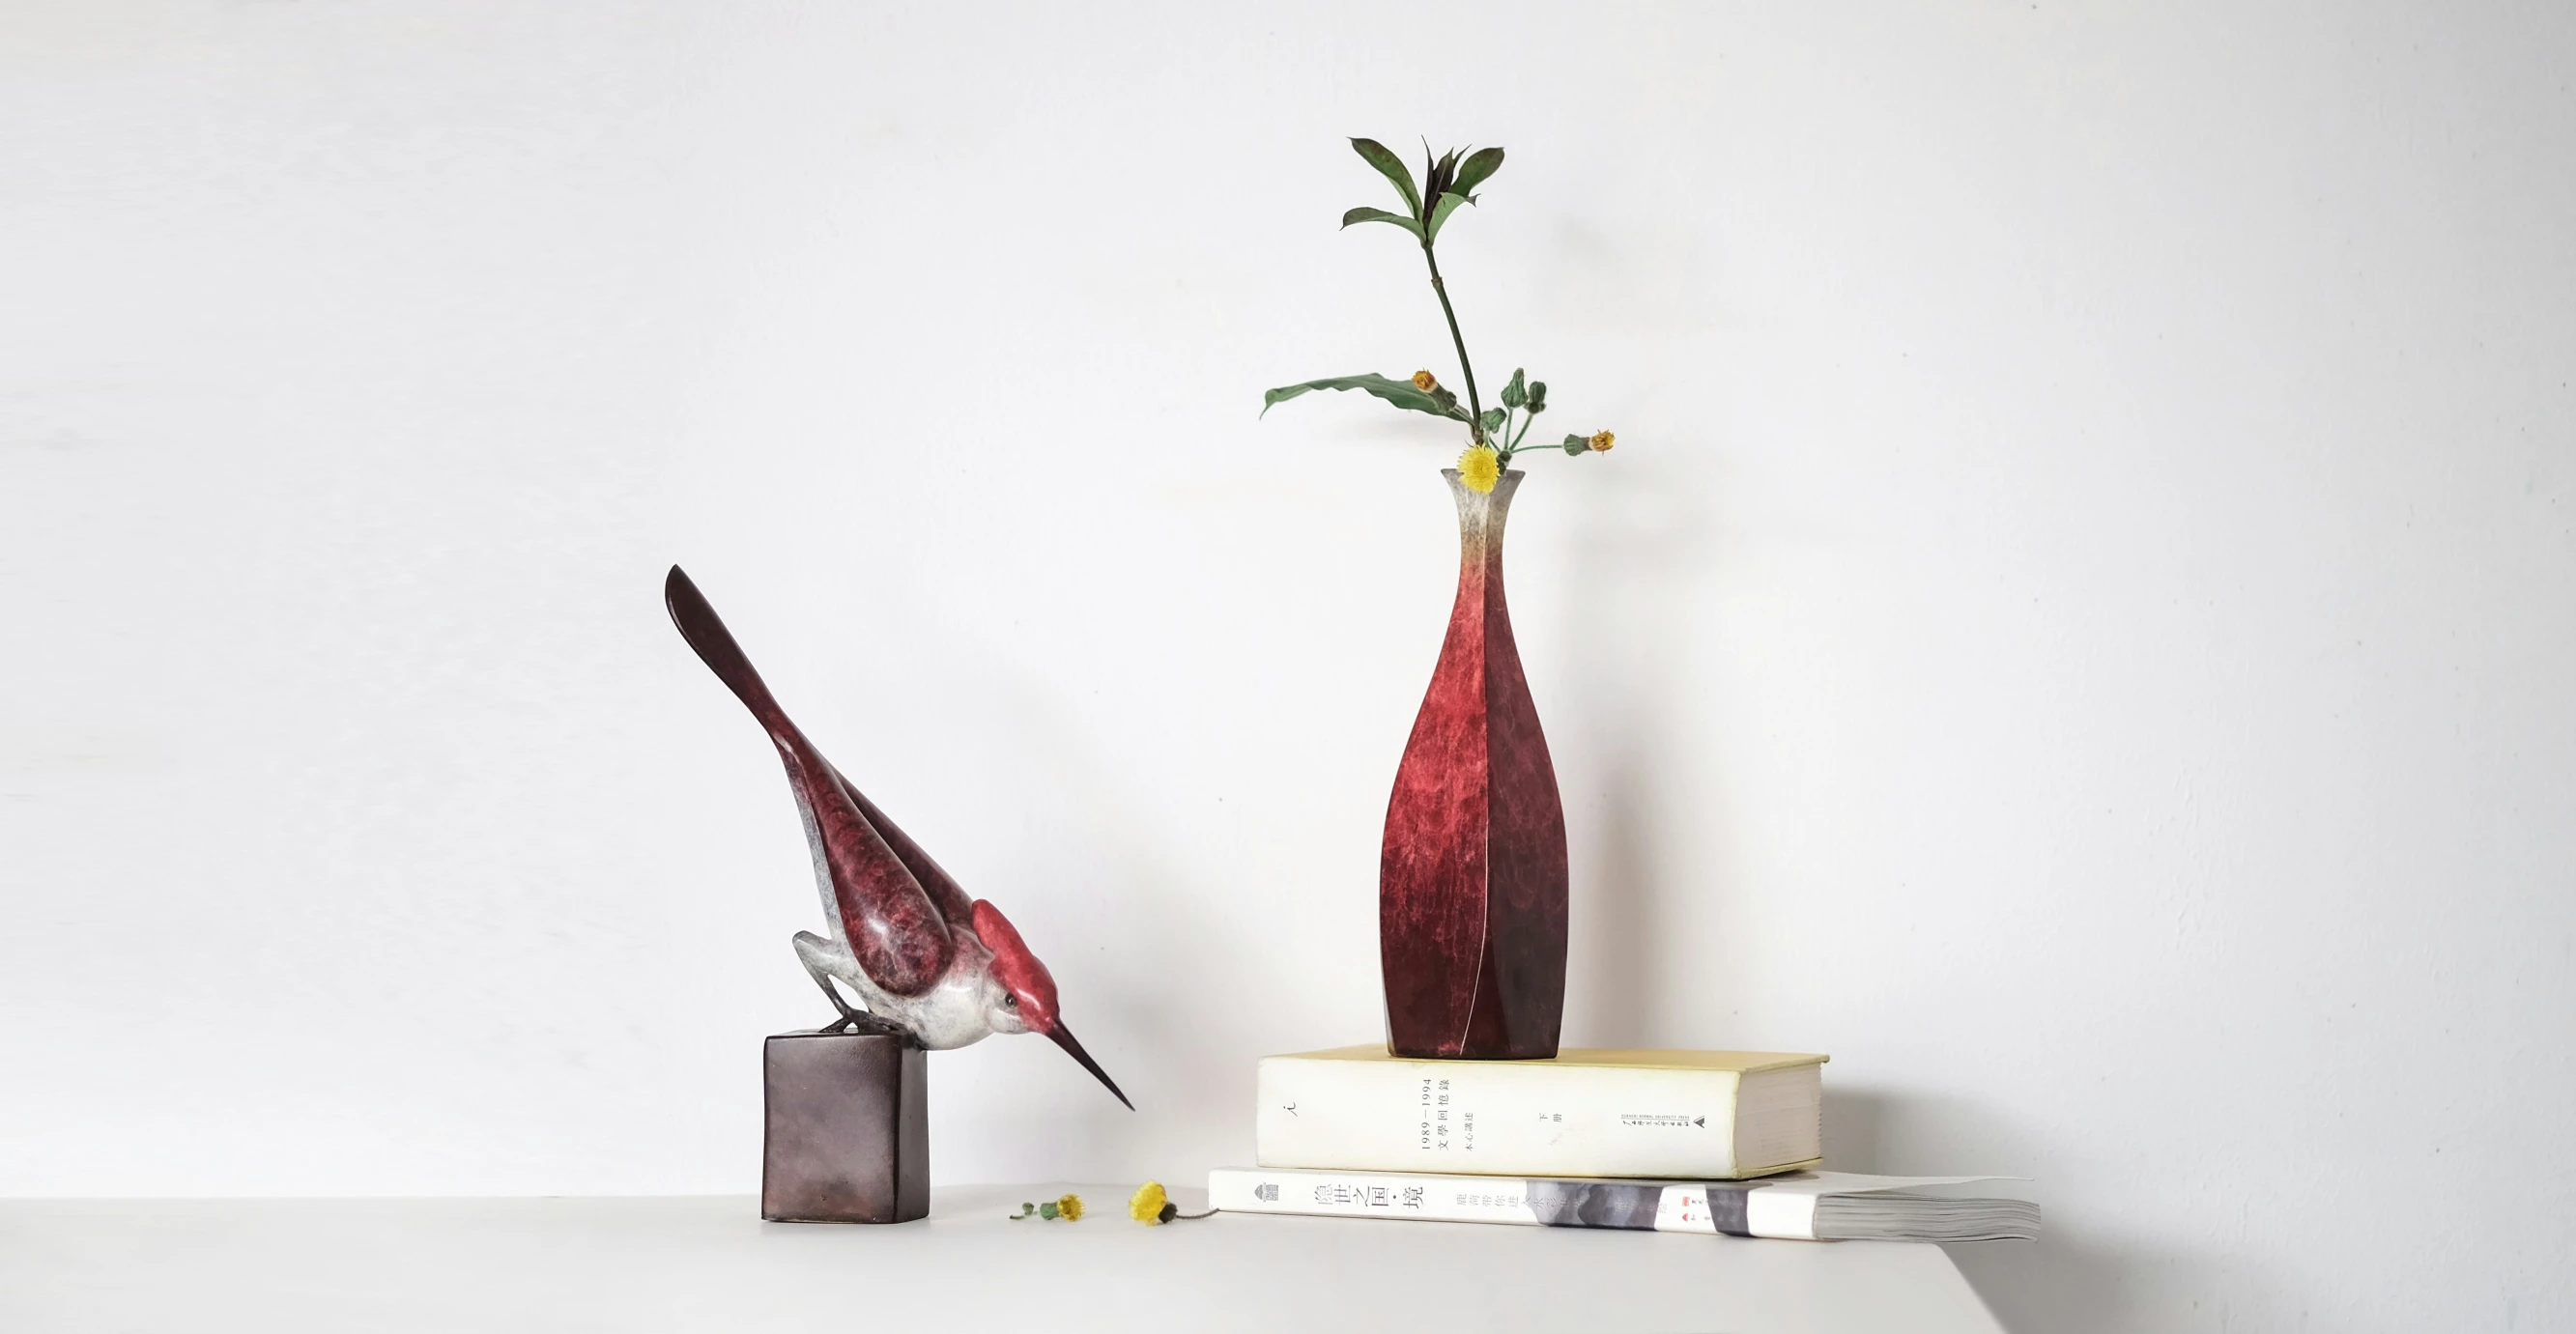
(897,929)
(934,881)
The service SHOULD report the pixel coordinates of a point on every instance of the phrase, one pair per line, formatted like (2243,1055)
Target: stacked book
(1668,1141)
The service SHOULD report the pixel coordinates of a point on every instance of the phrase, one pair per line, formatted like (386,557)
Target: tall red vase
(1471,881)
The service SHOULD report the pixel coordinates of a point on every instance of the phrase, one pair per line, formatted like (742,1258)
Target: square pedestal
(848,1129)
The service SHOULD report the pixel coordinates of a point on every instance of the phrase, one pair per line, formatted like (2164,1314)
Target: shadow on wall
(1640,547)
(1634,547)
(2073,1280)
(1612,973)
(2059,1284)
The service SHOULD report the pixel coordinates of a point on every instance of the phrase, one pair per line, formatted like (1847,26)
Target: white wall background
(2080,623)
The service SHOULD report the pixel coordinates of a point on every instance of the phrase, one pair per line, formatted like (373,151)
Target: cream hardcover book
(1714,1115)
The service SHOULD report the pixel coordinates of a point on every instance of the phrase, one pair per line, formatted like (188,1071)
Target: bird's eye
(1010,1000)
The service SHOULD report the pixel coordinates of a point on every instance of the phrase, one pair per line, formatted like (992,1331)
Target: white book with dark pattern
(1801,1206)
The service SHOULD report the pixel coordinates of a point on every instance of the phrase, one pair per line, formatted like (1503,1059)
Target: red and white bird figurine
(922,957)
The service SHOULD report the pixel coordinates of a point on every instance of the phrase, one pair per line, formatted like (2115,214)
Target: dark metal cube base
(848,1129)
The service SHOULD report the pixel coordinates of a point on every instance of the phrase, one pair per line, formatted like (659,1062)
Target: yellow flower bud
(1070,1207)
(1146,1206)
(1602,440)
(1422,380)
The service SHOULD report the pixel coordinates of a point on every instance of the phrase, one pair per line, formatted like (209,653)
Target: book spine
(1643,1206)
(1497,1117)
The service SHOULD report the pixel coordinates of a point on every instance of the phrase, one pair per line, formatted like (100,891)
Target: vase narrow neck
(1481,514)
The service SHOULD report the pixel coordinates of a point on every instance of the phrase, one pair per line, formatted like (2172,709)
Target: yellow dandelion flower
(1422,380)
(1146,1206)
(1071,1207)
(1480,467)
(1602,440)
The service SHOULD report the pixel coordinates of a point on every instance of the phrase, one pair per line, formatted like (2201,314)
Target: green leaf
(1440,213)
(1381,215)
(1515,393)
(1480,164)
(1048,1210)
(1578,444)
(1398,392)
(1493,420)
(1391,167)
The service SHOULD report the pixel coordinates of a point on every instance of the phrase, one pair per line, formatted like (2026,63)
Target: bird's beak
(1063,1037)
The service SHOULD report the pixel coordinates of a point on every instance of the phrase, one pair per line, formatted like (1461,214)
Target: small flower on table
(1152,1206)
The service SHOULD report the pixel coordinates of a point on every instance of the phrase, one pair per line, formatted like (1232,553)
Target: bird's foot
(859,1022)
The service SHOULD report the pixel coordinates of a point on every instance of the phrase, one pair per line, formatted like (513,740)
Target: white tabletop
(708,1263)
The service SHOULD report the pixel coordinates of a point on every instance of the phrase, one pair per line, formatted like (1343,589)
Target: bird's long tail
(889,921)
(706,633)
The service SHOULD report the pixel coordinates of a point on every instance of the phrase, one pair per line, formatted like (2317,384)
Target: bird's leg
(849,1017)
(808,947)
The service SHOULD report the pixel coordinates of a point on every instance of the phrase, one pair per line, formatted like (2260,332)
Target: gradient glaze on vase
(1472,875)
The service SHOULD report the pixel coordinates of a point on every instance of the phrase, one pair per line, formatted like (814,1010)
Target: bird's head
(1027,1003)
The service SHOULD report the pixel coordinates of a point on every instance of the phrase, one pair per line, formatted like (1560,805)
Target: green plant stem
(1475,405)
(1514,438)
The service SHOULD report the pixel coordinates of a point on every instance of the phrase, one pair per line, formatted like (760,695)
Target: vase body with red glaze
(1472,875)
